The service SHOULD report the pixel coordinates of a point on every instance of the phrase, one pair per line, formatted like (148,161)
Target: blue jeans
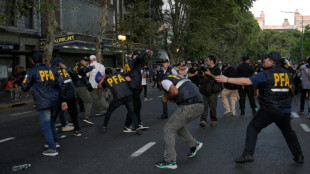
(47,124)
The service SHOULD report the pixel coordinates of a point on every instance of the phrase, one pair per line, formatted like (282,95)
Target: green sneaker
(166,165)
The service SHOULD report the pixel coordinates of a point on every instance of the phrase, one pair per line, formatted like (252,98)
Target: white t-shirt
(92,74)
(166,84)
(143,81)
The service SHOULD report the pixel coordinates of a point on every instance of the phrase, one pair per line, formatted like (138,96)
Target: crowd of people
(194,87)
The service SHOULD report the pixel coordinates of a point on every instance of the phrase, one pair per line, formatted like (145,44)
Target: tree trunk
(101,30)
(51,33)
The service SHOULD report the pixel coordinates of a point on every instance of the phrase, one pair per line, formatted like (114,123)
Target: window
(111,1)
(10,11)
(28,14)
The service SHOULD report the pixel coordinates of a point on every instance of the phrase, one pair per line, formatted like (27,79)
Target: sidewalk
(6,102)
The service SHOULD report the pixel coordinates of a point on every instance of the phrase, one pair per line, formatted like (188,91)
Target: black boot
(242,112)
(253,111)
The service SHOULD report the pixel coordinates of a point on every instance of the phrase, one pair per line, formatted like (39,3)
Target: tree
(101,29)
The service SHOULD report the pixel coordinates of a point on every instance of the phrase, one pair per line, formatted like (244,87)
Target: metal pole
(302,37)
(123,55)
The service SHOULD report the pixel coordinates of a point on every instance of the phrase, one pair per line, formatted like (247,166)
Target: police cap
(37,57)
(108,71)
(85,58)
(274,56)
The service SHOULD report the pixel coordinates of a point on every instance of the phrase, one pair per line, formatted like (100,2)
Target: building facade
(299,22)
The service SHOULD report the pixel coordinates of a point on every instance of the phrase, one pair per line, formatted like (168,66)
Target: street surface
(116,152)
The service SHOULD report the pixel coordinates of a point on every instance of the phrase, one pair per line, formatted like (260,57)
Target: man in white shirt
(96,94)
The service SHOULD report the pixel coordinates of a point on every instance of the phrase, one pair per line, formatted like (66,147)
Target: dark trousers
(209,102)
(303,98)
(73,112)
(145,90)
(165,106)
(128,102)
(246,90)
(136,104)
(265,117)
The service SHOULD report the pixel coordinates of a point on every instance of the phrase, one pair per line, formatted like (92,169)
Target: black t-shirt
(245,70)
(194,79)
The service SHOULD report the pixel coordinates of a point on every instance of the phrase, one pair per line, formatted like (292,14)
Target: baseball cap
(164,60)
(92,57)
(136,52)
(108,71)
(85,58)
(274,56)
(189,62)
(56,61)
(259,61)
(37,57)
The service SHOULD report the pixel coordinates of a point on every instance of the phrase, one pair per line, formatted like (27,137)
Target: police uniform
(122,95)
(80,82)
(69,92)
(275,107)
(190,104)
(133,70)
(48,93)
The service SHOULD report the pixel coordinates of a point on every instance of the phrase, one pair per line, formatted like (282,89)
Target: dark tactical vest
(276,92)
(188,91)
(118,85)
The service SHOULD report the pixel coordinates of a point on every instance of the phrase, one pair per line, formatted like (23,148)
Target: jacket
(69,90)
(132,69)
(92,74)
(81,80)
(48,87)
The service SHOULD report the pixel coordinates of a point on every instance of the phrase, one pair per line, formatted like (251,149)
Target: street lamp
(302,33)
(122,38)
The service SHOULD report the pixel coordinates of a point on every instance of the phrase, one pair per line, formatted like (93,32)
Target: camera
(201,70)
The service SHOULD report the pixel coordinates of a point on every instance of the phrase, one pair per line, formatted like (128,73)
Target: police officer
(122,95)
(275,106)
(186,95)
(69,92)
(168,70)
(82,85)
(133,70)
(48,93)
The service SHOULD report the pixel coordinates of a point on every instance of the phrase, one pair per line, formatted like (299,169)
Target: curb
(12,105)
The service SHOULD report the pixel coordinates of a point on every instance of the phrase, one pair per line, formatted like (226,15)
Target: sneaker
(203,123)
(162,116)
(77,133)
(88,122)
(213,123)
(195,149)
(299,159)
(244,158)
(98,114)
(50,152)
(141,127)
(166,165)
(104,129)
(145,99)
(300,113)
(57,145)
(67,128)
(227,114)
(128,130)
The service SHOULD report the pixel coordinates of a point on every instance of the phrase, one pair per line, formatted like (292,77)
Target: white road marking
(7,139)
(161,96)
(21,113)
(142,149)
(294,114)
(305,127)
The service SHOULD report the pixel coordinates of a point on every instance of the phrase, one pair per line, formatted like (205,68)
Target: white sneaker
(50,152)
(57,145)
(141,127)
(145,99)
(67,128)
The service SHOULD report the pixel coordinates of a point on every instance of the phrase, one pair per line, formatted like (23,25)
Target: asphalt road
(21,142)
